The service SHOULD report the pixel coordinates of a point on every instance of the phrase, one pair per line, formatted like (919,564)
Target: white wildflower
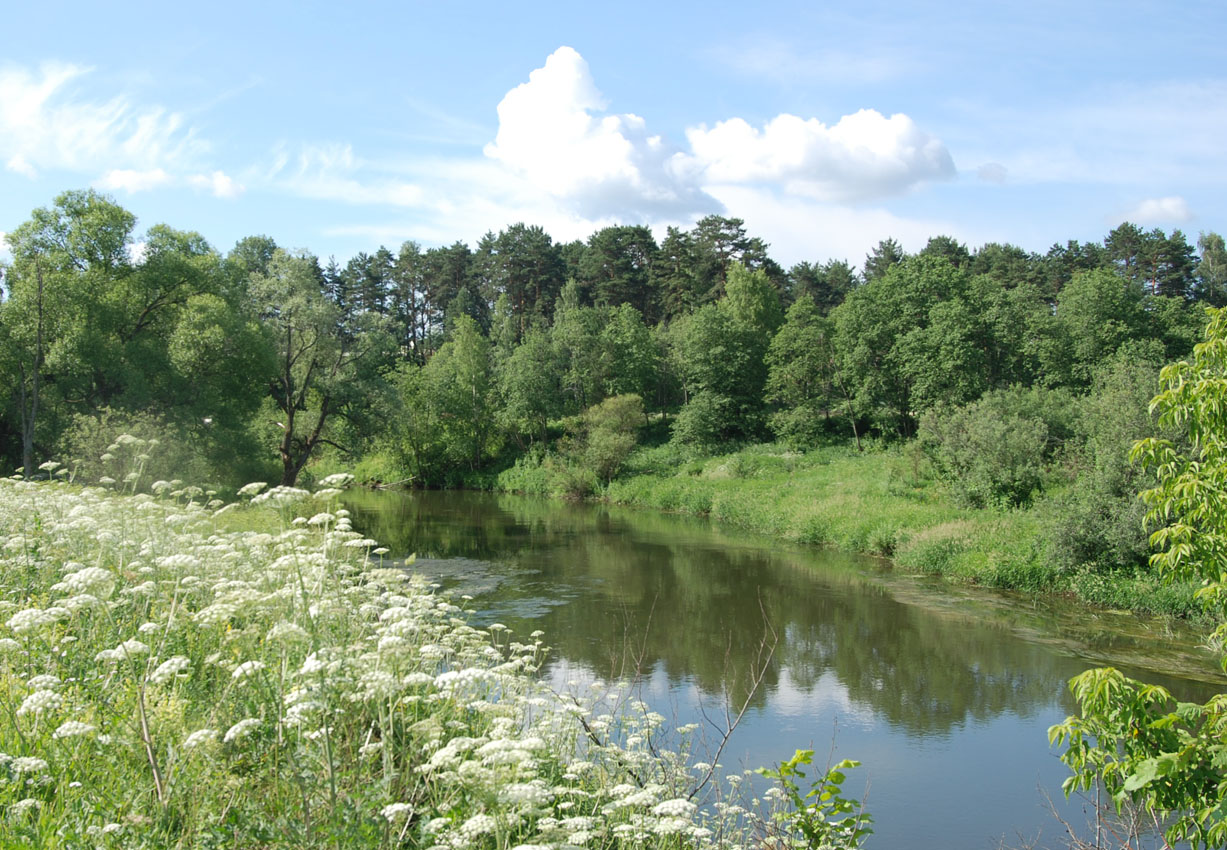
(240,729)
(478,825)
(675,808)
(72,729)
(44,681)
(40,702)
(338,479)
(246,669)
(22,806)
(199,738)
(28,764)
(397,812)
(169,668)
(252,489)
(287,633)
(32,619)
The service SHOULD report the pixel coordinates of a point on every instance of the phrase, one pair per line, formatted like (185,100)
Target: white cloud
(552,132)
(19,164)
(865,155)
(333,173)
(802,229)
(993,172)
(130,180)
(46,122)
(218,183)
(780,61)
(1161,211)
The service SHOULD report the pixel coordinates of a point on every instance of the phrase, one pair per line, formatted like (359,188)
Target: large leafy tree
(905,342)
(1212,269)
(802,378)
(57,326)
(720,351)
(324,371)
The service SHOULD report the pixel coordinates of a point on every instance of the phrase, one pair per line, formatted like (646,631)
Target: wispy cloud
(334,173)
(49,123)
(1162,133)
(782,62)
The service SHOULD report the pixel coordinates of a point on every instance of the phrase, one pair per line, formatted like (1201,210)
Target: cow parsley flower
(72,729)
(396,812)
(169,668)
(247,669)
(240,730)
(199,738)
(40,702)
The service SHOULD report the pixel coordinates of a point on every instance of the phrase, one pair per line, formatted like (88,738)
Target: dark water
(945,694)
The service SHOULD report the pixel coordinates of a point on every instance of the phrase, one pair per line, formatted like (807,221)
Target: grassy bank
(179,674)
(880,502)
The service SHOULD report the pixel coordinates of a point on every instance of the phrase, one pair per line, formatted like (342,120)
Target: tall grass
(879,502)
(179,674)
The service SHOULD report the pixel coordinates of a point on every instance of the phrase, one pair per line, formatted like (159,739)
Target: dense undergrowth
(175,672)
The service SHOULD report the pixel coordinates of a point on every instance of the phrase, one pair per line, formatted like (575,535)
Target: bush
(153,450)
(703,420)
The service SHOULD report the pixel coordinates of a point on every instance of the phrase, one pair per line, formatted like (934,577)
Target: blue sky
(826,127)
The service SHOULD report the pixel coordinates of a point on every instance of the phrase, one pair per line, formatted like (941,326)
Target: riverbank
(879,502)
(176,673)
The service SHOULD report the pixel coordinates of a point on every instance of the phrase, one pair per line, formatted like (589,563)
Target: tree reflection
(622,591)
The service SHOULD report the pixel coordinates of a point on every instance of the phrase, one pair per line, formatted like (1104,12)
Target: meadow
(179,672)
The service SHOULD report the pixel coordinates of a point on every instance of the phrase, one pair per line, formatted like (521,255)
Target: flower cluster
(167,673)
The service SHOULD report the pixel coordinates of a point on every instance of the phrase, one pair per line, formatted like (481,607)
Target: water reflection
(620,591)
(945,694)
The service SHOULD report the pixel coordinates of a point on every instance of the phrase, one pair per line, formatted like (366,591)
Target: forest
(526,364)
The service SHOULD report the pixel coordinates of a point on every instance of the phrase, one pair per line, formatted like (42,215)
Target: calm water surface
(945,694)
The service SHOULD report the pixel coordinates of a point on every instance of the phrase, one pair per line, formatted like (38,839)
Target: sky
(826,127)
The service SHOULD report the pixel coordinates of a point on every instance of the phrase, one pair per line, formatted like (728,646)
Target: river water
(945,694)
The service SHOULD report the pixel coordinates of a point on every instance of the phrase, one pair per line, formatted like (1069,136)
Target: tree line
(451,359)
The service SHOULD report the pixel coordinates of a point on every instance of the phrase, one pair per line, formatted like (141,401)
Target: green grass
(878,502)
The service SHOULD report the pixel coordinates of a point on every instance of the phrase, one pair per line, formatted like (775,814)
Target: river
(945,694)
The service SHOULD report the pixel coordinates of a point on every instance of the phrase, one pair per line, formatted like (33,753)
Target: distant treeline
(442,361)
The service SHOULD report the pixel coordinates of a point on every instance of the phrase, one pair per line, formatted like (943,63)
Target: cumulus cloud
(1161,210)
(552,130)
(47,123)
(799,228)
(864,155)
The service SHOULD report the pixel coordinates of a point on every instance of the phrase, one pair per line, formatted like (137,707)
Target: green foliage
(906,342)
(609,434)
(801,375)
(1145,748)
(1098,523)
(705,420)
(720,351)
(820,817)
(994,451)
